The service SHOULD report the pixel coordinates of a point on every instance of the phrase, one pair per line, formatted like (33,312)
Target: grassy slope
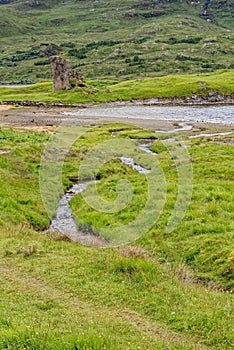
(58,295)
(135,28)
(169,86)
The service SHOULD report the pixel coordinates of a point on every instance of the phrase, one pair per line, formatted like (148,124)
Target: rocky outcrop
(64,77)
(205,10)
(210,99)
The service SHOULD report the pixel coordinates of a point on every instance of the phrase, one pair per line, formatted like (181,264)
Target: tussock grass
(164,291)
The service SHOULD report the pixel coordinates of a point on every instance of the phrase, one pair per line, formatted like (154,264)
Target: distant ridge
(115,40)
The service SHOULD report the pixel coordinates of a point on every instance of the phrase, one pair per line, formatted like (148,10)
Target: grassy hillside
(163,291)
(116,39)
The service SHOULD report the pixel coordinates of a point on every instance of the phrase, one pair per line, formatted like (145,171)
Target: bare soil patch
(5,107)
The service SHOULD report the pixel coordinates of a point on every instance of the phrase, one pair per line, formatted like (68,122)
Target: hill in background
(115,40)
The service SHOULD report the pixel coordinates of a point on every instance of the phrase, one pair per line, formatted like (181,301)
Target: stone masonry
(64,77)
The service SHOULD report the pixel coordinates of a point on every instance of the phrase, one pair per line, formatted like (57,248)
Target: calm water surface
(208,114)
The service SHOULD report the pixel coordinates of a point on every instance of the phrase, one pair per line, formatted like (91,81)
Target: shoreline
(42,119)
(212,99)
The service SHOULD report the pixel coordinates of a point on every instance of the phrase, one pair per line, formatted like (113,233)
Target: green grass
(20,164)
(114,40)
(169,86)
(166,290)
(99,299)
(205,237)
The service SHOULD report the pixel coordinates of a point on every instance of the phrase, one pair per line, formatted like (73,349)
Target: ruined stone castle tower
(62,74)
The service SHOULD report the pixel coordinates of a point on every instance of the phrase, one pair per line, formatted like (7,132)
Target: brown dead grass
(133,252)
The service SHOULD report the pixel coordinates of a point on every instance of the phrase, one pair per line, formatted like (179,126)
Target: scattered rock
(58,21)
(34,3)
(214,98)
(28,103)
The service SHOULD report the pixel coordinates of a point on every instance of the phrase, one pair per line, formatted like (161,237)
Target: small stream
(64,222)
(211,134)
(145,146)
(183,127)
(14,86)
(130,162)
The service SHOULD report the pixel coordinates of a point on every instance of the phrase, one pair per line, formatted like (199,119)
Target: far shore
(195,100)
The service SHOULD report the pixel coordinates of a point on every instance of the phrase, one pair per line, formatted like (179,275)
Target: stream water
(14,86)
(210,134)
(209,114)
(64,222)
(130,162)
